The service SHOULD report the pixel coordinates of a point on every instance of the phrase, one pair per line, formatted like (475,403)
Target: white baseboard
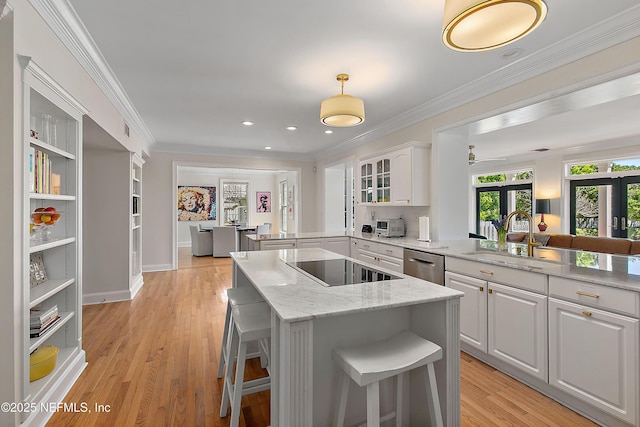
(57,391)
(135,288)
(157,267)
(105,297)
(184,244)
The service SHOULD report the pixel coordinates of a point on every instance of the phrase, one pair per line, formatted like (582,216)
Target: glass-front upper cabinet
(366,183)
(383,180)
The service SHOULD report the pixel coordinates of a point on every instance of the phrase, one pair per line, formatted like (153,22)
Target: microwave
(390,227)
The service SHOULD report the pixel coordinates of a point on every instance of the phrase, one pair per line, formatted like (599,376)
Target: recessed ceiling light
(247,123)
(328,131)
(267,148)
(291,128)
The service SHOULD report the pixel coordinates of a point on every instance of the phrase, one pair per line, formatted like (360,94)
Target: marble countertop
(307,235)
(294,296)
(611,270)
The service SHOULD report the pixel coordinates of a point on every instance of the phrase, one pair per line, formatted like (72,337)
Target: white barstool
(250,322)
(369,364)
(235,296)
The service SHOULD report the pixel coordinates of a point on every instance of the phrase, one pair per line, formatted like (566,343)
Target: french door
(606,207)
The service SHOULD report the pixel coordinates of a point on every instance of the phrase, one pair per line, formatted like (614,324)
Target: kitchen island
(309,320)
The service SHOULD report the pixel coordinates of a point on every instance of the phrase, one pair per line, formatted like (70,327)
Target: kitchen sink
(512,259)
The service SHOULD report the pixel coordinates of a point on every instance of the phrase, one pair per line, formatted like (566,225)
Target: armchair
(201,242)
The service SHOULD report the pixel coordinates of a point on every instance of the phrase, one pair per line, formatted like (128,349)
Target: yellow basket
(43,361)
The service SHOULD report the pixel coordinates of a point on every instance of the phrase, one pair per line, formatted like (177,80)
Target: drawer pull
(587,313)
(584,294)
(481,288)
(389,251)
(490,290)
(487,272)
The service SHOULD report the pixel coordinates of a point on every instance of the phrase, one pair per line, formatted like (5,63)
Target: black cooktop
(339,272)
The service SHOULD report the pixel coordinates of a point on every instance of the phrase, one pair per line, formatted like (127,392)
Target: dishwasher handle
(423,261)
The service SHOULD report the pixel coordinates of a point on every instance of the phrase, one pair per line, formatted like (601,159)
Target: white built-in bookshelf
(136,280)
(52,152)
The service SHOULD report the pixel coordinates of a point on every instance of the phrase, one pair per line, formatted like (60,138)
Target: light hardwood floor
(153,361)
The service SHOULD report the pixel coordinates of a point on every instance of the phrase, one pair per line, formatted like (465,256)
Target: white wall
(11,230)
(212,177)
(106,222)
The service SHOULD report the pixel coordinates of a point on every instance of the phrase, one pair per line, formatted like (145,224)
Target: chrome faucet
(530,243)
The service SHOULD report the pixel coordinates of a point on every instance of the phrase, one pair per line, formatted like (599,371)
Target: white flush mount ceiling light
(342,110)
(476,25)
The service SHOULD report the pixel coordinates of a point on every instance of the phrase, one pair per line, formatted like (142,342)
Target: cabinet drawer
(511,276)
(390,250)
(368,246)
(593,295)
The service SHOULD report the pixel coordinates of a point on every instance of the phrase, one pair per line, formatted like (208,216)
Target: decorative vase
(502,239)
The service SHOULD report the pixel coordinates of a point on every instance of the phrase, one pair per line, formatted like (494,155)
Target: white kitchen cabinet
(410,184)
(503,321)
(396,177)
(339,245)
(593,355)
(517,328)
(52,164)
(308,243)
(380,254)
(268,245)
(594,345)
(473,308)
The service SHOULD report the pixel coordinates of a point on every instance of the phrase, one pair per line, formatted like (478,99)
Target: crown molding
(66,24)
(615,30)
(230,152)
(5,8)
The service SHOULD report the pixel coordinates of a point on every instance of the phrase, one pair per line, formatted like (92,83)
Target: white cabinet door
(401,165)
(339,245)
(367,256)
(277,244)
(517,328)
(309,243)
(593,355)
(391,263)
(473,308)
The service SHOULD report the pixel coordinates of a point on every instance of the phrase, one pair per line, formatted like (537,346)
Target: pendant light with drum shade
(342,110)
(477,25)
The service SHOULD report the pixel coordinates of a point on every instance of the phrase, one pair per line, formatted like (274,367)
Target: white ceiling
(194,70)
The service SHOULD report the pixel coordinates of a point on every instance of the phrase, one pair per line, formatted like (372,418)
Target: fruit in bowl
(43,219)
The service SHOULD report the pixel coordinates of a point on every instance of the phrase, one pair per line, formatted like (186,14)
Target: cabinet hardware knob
(481,288)
(587,313)
(585,294)
(487,272)
(490,291)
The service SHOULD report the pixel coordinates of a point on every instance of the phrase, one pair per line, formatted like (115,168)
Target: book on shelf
(36,332)
(39,315)
(32,166)
(41,171)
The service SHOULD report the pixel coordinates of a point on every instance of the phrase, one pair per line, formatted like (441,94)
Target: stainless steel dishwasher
(425,266)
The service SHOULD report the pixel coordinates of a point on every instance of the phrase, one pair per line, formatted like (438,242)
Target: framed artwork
(263,201)
(196,203)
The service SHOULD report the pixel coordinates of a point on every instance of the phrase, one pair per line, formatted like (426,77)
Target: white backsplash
(410,214)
